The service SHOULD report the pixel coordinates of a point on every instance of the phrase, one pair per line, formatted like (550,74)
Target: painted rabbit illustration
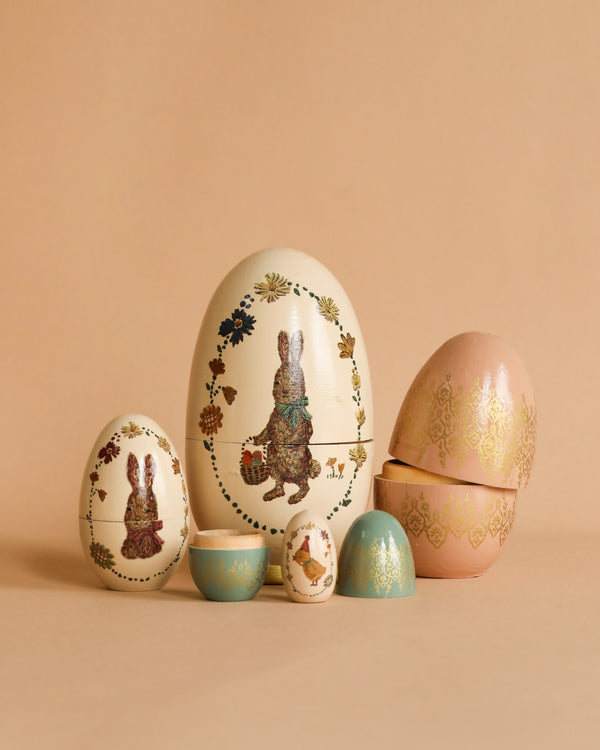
(289,428)
(141,515)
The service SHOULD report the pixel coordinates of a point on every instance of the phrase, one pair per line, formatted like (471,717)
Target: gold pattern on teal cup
(376,559)
(228,575)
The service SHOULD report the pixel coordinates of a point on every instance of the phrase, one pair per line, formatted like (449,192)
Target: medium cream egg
(133,508)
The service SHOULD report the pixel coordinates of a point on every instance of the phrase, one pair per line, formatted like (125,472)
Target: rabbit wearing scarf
(289,429)
(141,515)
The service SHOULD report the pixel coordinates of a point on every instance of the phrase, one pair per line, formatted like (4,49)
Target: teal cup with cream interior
(228,566)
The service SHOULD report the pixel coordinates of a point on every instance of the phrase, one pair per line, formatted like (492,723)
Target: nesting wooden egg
(376,559)
(279,415)
(133,509)
(228,566)
(464,443)
(309,559)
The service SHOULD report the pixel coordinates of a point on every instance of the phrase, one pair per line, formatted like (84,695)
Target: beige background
(442,159)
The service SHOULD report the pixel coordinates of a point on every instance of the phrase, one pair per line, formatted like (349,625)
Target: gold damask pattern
(239,574)
(380,565)
(480,421)
(459,518)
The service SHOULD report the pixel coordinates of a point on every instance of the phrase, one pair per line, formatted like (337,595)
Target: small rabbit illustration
(289,428)
(141,515)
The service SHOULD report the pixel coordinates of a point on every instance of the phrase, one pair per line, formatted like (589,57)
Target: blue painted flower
(237,325)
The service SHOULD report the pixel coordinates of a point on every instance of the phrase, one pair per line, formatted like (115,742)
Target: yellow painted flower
(164,444)
(346,346)
(274,287)
(331,462)
(358,454)
(176,466)
(131,430)
(328,309)
(355,379)
(341,468)
(360,416)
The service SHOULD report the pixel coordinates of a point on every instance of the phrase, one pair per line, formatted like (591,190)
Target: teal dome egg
(376,559)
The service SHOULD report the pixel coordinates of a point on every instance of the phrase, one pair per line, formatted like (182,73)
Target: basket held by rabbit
(141,515)
(289,428)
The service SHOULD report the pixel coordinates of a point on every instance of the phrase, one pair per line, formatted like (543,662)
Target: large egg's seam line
(179,519)
(292,445)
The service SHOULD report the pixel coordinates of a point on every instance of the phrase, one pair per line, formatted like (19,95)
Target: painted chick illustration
(313,570)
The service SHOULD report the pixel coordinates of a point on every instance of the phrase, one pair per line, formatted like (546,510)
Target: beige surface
(442,160)
(506,660)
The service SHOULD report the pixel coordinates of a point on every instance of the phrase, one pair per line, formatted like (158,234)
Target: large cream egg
(279,415)
(133,508)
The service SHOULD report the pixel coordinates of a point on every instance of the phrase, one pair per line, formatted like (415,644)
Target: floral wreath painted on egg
(141,543)
(253,467)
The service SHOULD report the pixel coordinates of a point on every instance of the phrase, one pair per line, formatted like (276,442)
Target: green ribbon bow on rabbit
(291,412)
